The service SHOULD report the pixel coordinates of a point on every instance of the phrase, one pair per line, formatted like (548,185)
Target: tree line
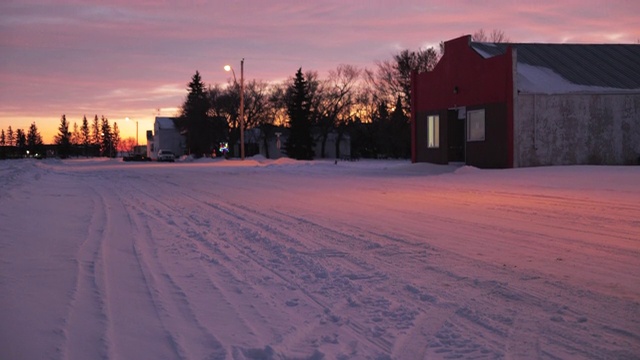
(98,138)
(20,141)
(372,106)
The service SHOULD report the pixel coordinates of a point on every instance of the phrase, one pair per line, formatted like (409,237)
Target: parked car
(136,157)
(166,155)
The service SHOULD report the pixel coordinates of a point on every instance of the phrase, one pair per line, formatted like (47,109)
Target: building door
(456,135)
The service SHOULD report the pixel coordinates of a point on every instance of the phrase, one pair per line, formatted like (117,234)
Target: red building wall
(464,78)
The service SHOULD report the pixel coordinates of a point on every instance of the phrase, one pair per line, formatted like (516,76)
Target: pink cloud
(69,55)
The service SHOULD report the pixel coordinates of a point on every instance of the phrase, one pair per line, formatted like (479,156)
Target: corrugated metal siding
(603,65)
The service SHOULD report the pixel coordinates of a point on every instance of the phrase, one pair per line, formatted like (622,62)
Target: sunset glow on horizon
(123,59)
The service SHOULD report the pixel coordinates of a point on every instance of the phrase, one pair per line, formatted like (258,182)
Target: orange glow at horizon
(48,126)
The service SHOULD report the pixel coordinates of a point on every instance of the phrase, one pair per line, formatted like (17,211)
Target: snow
(280,259)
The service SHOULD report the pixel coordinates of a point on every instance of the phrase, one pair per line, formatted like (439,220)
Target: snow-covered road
(260,259)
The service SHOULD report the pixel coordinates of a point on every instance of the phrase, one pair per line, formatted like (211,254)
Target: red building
(511,105)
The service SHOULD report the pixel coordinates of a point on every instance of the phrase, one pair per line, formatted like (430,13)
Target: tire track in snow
(361,275)
(211,305)
(178,313)
(245,249)
(538,238)
(525,308)
(83,339)
(331,289)
(606,219)
(134,330)
(392,321)
(519,300)
(473,327)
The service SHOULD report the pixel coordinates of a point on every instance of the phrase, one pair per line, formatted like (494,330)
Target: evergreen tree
(115,138)
(10,137)
(106,144)
(75,135)
(34,140)
(400,131)
(194,119)
(63,139)
(95,127)
(380,126)
(299,145)
(20,139)
(85,135)
(3,141)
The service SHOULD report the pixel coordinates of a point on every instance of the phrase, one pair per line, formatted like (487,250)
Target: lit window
(475,125)
(433,131)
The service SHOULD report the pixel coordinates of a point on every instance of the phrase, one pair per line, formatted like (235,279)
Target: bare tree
(225,103)
(496,36)
(479,36)
(257,114)
(127,145)
(256,101)
(393,77)
(335,98)
(277,109)
(275,112)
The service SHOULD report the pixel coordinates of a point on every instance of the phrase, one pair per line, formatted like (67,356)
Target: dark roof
(600,65)
(165,122)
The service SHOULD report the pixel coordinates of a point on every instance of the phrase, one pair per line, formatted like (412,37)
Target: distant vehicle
(136,157)
(166,155)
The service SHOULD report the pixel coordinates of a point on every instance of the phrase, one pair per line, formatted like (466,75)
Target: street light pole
(241,111)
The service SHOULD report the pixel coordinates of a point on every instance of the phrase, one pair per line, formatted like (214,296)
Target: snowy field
(101,259)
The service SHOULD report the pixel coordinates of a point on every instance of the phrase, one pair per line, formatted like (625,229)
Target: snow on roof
(543,80)
(569,68)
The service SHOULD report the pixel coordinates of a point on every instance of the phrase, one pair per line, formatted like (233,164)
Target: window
(475,125)
(433,131)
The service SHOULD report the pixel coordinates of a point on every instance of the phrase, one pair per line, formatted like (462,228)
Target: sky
(133,60)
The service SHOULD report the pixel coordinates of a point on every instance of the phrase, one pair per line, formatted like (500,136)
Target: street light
(229,68)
